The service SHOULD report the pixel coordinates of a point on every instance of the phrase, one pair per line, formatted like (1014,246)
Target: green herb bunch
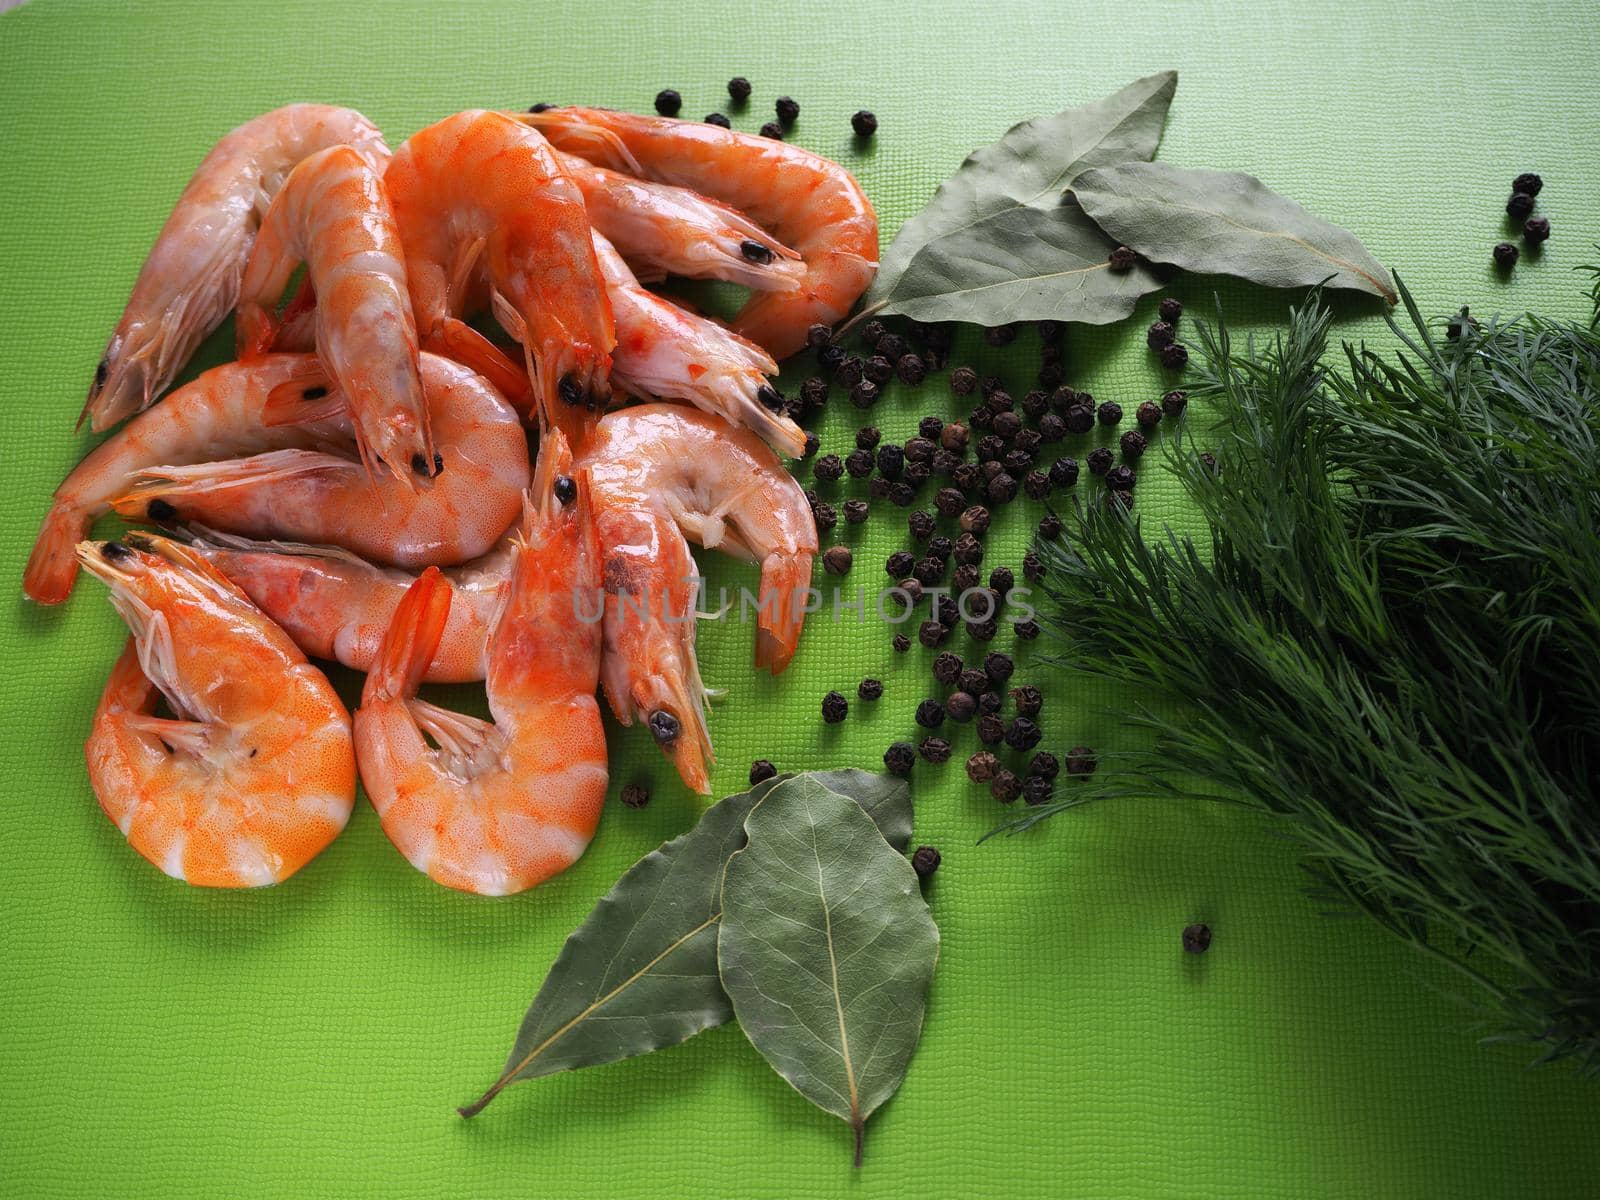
(1392,641)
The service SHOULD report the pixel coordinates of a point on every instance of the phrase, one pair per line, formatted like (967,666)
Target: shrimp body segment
(190,280)
(322,496)
(814,205)
(479,185)
(333,214)
(658,472)
(254,774)
(495,808)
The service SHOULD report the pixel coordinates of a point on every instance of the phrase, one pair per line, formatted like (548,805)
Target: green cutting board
(157,1040)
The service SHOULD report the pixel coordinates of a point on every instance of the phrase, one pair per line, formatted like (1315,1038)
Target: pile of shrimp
(358,486)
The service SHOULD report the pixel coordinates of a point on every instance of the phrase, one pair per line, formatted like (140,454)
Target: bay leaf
(826,949)
(1226,223)
(1027,169)
(640,973)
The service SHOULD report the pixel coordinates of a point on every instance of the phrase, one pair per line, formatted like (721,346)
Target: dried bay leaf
(826,949)
(640,973)
(1226,223)
(978,216)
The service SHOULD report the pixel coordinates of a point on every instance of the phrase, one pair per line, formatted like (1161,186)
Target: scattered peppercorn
(917,449)
(940,546)
(1000,335)
(1174,357)
(968,549)
(926,860)
(921,524)
(1032,567)
(1022,734)
(935,749)
(960,707)
(1051,374)
(991,729)
(1209,462)
(911,588)
(1148,414)
(828,468)
(1027,699)
(761,769)
(1050,527)
(990,384)
(813,444)
(1171,309)
(1122,259)
(1017,462)
(900,642)
(739,89)
(1006,787)
(823,515)
(1520,205)
(635,795)
(982,766)
(975,519)
(973,680)
(1002,489)
(835,708)
(1158,335)
(1099,460)
(1044,765)
(1527,182)
(858,463)
(928,571)
(720,121)
(870,689)
(1036,484)
(998,667)
(836,561)
(1064,472)
(902,494)
(963,381)
(1133,444)
(1036,789)
(865,125)
(1505,256)
(989,702)
(1174,402)
(830,356)
(878,488)
(850,372)
(964,578)
(1536,230)
(931,634)
(899,758)
(1080,418)
(947,667)
(991,446)
(892,346)
(1080,761)
(771,130)
(1121,478)
(1197,938)
(891,461)
(911,369)
(786,109)
(946,612)
(668,102)
(1027,630)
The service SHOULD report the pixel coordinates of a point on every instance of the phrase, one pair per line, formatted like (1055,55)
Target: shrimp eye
(665,727)
(160,510)
(755,252)
(571,390)
(100,373)
(770,397)
(419,465)
(115,552)
(566,489)
(314,393)
(438,464)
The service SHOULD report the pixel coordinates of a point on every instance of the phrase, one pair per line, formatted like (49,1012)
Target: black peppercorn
(931,428)
(1080,418)
(947,667)
(1536,231)
(917,474)
(1007,424)
(911,369)
(830,356)
(835,708)
(1062,399)
(930,714)
(1037,485)
(912,589)
(973,680)
(1032,567)
(1080,761)
(1133,444)
(928,571)
(859,463)
(1049,527)
(899,564)
(836,561)
(918,449)
(1001,580)
(891,461)
(813,444)
(900,642)
(1505,255)
(990,447)
(772,130)
(855,511)
(739,89)
(1527,182)
(1051,374)
(864,394)
(814,391)
(818,335)
(878,488)
(1174,402)
(981,417)
(1064,472)
(931,634)
(828,468)
(944,462)
(990,384)
(668,102)
(899,758)
(1520,205)
(1036,789)
(982,767)
(998,667)
(865,125)
(991,730)
(935,749)
(664,727)
(822,513)
(1017,462)
(1148,414)
(1044,765)
(939,546)
(761,769)
(1099,460)
(988,703)
(1171,309)
(1122,259)
(968,476)
(1002,489)
(1121,477)
(635,795)
(786,109)
(1174,357)
(1027,630)
(1158,335)
(947,612)
(720,121)
(1022,734)
(1109,413)
(1051,428)
(963,381)
(964,578)
(870,689)
(850,372)
(960,707)
(968,549)
(925,861)
(1006,787)
(954,436)
(921,524)
(1197,938)
(949,501)
(878,369)
(1000,335)
(1027,699)
(892,346)
(901,493)
(975,519)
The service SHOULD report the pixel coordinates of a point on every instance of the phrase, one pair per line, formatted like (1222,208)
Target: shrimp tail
(52,566)
(785,580)
(410,641)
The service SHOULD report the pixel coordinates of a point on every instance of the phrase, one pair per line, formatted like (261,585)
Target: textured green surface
(163,1041)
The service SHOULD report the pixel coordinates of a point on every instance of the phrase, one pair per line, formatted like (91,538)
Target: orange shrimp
(321,495)
(668,352)
(190,280)
(255,774)
(336,604)
(478,184)
(656,473)
(814,205)
(495,808)
(333,214)
(664,230)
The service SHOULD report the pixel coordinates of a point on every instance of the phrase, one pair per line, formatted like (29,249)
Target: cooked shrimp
(814,205)
(321,495)
(664,230)
(668,352)
(497,807)
(190,280)
(478,184)
(654,470)
(336,605)
(333,214)
(254,774)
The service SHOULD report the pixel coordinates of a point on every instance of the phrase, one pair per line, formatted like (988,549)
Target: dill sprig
(1392,640)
